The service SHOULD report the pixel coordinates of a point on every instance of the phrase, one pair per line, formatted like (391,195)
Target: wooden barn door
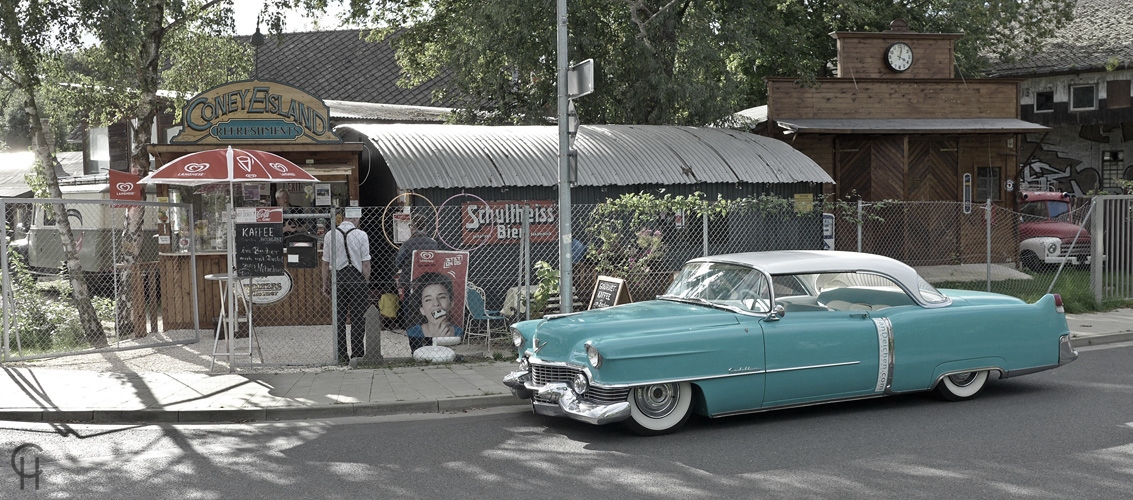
(932,231)
(852,177)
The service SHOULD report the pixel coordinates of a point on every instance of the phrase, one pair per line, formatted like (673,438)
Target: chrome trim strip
(884,354)
(797,368)
(796,405)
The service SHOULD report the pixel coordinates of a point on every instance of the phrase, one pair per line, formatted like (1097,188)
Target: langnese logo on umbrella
(279,167)
(124,187)
(196,169)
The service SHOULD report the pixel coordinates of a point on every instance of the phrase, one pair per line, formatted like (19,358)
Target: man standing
(350,249)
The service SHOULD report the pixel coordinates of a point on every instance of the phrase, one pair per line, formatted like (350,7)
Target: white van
(97,225)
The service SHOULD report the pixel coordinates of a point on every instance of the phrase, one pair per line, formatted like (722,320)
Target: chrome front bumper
(565,402)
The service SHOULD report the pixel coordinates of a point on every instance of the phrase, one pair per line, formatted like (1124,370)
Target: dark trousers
(353,295)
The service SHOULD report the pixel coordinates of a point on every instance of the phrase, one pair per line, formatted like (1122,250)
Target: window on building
(1044,101)
(1083,97)
(99,150)
(987,183)
(1113,168)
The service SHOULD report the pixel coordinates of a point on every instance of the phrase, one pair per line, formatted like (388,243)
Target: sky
(246,11)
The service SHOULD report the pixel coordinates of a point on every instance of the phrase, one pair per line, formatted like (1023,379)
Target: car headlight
(580,384)
(593,356)
(516,338)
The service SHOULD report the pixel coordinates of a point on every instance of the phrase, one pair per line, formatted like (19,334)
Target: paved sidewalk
(70,395)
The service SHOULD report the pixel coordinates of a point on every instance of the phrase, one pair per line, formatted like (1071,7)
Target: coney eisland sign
(255,111)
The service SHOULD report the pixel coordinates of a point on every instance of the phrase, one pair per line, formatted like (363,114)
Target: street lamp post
(566,295)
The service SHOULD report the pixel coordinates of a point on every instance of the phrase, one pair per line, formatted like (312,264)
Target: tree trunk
(132,309)
(91,326)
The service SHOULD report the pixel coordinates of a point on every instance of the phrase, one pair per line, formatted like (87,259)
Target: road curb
(157,416)
(1109,338)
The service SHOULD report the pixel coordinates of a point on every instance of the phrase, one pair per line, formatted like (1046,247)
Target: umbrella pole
(231,254)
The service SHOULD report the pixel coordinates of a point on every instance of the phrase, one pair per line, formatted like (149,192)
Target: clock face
(899,57)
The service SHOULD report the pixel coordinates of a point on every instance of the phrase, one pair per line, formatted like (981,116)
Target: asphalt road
(1066,433)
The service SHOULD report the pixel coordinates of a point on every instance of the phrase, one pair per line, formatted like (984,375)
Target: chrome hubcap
(656,401)
(962,379)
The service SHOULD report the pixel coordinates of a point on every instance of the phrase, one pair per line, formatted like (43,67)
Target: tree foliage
(686,62)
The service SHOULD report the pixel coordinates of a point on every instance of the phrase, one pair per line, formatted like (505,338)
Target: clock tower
(896,53)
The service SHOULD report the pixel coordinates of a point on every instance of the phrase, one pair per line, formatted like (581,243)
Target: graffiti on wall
(1057,173)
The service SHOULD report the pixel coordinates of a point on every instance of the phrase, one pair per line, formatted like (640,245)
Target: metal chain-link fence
(121,308)
(482,265)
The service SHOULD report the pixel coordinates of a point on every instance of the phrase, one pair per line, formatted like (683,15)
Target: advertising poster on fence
(434,272)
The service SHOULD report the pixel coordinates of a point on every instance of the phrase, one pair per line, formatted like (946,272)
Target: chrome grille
(548,374)
(1080,249)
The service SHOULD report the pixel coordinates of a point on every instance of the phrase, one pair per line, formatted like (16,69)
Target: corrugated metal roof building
(503,164)
(516,162)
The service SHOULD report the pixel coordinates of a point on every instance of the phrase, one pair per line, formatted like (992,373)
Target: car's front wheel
(659,408)
(959,386)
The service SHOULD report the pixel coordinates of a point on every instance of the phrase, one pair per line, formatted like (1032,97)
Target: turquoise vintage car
(758,331)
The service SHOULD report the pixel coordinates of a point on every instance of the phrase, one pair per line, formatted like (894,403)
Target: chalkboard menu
(609,292)
(259,243)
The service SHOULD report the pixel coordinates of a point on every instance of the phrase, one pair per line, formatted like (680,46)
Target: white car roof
(822,261)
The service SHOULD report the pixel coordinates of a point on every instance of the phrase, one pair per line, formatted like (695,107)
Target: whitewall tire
(960,386)
(659,408)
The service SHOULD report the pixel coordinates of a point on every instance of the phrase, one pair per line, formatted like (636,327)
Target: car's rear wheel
(960,386)
(659,408)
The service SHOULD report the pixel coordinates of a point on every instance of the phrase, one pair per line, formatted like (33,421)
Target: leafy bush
(44,317)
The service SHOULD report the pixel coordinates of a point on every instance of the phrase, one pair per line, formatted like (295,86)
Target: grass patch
(1073,285)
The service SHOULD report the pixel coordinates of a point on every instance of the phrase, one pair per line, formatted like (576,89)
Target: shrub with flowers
(625,236)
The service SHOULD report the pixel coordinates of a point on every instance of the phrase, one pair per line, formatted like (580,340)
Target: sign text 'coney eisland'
(255,111)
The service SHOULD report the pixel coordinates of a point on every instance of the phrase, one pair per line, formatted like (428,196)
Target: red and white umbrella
(228,165)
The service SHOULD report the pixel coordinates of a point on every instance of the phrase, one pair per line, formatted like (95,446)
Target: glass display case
(210,209)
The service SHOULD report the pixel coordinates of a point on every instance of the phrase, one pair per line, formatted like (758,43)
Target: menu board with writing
(259,242)
(609,292)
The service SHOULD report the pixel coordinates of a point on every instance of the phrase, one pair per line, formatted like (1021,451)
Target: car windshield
(728,285)
(1044,210)
(1059,210)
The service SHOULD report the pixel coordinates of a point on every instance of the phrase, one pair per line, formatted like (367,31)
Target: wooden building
(896,123)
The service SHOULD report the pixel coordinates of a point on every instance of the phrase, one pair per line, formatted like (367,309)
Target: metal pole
(7,282)
(704,232)
(987,239)
(525,299)
(1097,246)
(566,295)
(861,222)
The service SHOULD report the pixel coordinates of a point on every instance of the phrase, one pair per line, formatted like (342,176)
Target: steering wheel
(746,294)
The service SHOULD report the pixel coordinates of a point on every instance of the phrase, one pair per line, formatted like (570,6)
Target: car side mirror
(777,313)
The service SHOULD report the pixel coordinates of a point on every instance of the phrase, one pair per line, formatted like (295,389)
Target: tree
(31,34)
(673,62)
(183,46)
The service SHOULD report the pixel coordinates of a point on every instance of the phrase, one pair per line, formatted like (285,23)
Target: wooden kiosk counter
(303,304)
